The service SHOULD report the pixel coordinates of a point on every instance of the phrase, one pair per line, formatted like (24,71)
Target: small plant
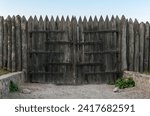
(13,87)
(125,83)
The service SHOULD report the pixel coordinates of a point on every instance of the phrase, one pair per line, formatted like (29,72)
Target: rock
(26,91)
(116,89)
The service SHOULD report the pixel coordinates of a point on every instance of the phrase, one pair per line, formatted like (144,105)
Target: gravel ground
(102,91)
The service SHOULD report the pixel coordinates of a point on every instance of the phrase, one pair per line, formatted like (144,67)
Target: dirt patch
(102,91)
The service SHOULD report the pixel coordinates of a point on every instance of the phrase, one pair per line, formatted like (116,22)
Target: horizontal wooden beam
(101,31)
(47,73)
(46,31)
(59,63)
(103,52)
(59,42)
(45,52)
(88,63)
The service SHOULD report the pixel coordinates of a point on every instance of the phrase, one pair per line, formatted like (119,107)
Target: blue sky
(139,9)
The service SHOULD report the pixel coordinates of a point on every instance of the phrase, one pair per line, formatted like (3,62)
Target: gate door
(52,63)
(98,60)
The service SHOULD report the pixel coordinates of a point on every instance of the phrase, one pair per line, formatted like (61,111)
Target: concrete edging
(142,81)
(16,77)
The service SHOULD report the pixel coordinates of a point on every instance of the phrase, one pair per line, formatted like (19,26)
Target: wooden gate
(74,54)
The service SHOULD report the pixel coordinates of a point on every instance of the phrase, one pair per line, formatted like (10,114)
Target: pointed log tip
(107,18)
(62,19)
(84,19)
(130,20)
(101,19)
(90,19)
(147,22)
(57,18)
(68,19)
(123,17)
(136,21)
(52,19)
(112,17)
(95,18)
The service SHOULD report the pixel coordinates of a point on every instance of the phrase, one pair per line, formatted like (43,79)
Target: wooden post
(114,45)
(137,46)
(5,44)
(131,45)
(142,27)
(29,48)
(123,44)
(146,47)
(24,45)
(13,55)
(9,60)
(18,43)
(1,40)
(74,34)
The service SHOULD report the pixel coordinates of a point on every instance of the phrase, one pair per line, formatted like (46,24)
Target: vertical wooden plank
(101,49)
(57,57)
(5,44)
(13,55)
(24,45)
(124,43)
(84,78)
(1,40)
(80,50)
(67,77)
(96,57)
(51,37)
(107,47)
(69,49)
(90,48)
(40,44)
(114,47)
(131,45)
(29,49)
(146,47)
(74,36)
(142,29)
(35,39)
(118,24)
(18,42)
(9,43)
(137,46)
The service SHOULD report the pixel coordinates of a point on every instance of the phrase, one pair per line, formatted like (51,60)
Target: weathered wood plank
(41,47)
(142,30)
(101,49)
(35,39)
(51,37)
(29,49)
(18,43)
(114,45)
(118,24)
(96,47)
(9,43)
(24,45)
(124,43)
(146,47)
(1,40)
(13,55)
(5,44)
(74,36)
(137,46)
(131,45)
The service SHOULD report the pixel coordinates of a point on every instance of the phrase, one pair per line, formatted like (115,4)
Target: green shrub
(13,87)
(125,83)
